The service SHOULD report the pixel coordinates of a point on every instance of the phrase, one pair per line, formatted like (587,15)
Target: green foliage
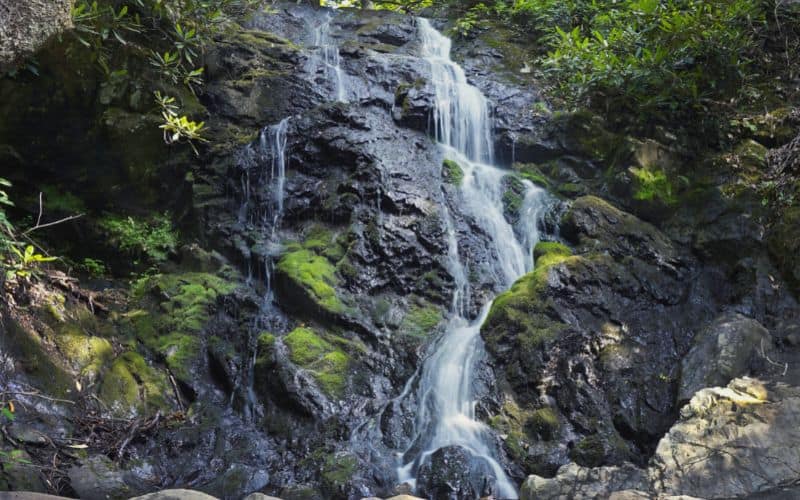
(648,58)
(169,35)
(94,267)
(152,239)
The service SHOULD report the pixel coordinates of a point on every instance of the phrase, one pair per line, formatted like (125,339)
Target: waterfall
(331,60)
(272,142)
(461,123)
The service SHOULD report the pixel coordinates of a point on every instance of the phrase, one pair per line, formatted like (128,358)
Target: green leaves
(179,128)
(653,59)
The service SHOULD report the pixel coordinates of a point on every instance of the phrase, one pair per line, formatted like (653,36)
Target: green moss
(338,470)
(183,308)
(589,452)
(421,319)
(452,172)
(652,184)
(544,423)
(550,248)
(570,190)
(132,385)
(532,173)
(326,362)
(513,197)
(305,346)
(315,275)
(87,352)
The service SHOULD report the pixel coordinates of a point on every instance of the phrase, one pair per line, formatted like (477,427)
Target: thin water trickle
(330,57)
(461,123)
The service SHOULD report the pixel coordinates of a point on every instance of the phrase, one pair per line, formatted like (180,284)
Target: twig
(48,224)
(177,392)
(764,354)
(41,210)
(38,395)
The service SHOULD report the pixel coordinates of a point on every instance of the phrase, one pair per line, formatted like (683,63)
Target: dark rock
(453,473)
(97,477)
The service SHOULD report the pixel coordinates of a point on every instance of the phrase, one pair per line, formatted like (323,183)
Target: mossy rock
(521,316)
(589,451)
(532,173)
(452,172)
(87,353)
(337,472)
(131,385)
(327,363)
(307,272)
(172,326)
(550,250)
(544,422)
(421,319)
(32,357)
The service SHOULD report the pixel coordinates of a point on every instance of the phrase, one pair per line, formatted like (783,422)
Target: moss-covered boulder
(131,386)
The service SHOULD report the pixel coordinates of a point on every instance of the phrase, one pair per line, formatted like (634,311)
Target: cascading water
(331,58)
(461,123)
(271,155)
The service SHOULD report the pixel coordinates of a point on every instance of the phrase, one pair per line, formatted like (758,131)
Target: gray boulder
(721,352)
(26,26)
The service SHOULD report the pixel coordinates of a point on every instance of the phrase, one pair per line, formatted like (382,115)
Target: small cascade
(446,412)
(461,117)
(330,58)
(273,159)
(272,144)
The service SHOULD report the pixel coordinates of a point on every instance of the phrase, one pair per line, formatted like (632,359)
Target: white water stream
(330,58)
(461,123)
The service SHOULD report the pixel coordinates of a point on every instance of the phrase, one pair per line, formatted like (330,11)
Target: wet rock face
(598,334)
(26,26)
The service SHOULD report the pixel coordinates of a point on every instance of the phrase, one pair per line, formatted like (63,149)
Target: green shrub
(152,239)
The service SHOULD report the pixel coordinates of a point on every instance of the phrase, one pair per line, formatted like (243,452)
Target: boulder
(175,495)
(97,477)
(454,473)
(737,441)
(576,482)
(721,352)
(732,442)
(26,26)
